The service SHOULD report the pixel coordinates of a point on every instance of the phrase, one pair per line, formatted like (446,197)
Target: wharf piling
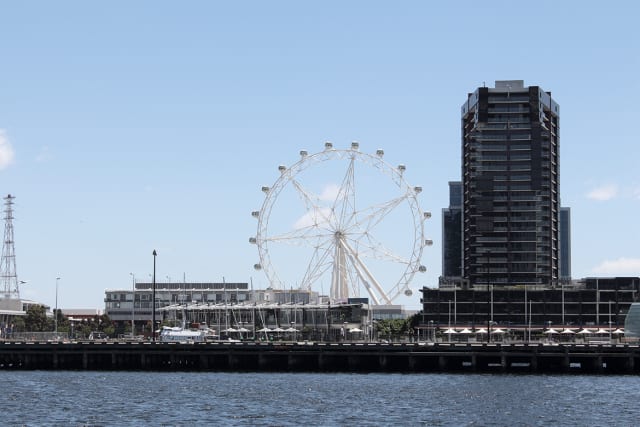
(321,357)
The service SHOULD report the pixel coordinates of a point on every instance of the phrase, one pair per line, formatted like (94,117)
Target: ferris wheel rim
(288,175)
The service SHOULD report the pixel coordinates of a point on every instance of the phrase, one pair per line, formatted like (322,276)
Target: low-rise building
(588,302)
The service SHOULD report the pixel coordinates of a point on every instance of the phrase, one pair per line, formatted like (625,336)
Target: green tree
(391,329)
(36,319)
(18,324)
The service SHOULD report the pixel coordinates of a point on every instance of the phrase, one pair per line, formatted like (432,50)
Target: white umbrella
(618,331)
(278,329)
(584,331)
(481,331)
(602,331)
(450,331)
(466,331)
(230,330)
(497,331)
(551,331)
(567,331)
(243,330)
(264,330)
(292,329)
(355,330)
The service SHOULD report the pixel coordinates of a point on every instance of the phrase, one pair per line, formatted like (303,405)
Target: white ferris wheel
(344,220)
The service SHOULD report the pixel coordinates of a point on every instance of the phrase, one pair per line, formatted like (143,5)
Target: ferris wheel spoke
(317,265)
(311,203)
(369,247)
(345,198)
(371,216)
(300,236)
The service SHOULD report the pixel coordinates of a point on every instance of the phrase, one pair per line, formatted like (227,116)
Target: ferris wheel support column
(339,288)
(365,280)
(361,265)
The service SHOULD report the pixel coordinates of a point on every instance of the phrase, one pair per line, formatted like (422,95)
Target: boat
(183,334)
(178,334)
(186,335)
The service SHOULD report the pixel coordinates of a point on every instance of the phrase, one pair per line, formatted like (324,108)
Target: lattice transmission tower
(9,276)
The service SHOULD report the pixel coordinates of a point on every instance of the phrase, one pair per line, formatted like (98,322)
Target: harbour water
(259,399)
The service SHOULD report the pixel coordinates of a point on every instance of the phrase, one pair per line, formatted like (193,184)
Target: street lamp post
(55,316)
(432,331)
(609,321)
(449,322)
(133,306)
(489,296)
(153,299)
(562,290)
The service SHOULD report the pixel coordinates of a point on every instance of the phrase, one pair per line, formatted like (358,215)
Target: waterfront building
(13,308)
(233,310)
(511,186)
(506,252)
(588,302)
(124,305)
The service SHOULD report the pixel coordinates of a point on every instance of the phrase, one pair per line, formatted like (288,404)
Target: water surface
(260,399)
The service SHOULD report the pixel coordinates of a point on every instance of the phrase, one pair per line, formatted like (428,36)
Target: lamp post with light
(133,306)
(153,299)
(55,317)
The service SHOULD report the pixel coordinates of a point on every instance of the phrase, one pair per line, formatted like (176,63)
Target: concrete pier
(321,357)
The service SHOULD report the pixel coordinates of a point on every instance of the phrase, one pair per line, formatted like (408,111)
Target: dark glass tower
(511,186)
(452,234)
(565,244)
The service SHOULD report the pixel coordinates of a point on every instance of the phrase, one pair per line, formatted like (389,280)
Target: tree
(18,324)
(36,319)
(391,329)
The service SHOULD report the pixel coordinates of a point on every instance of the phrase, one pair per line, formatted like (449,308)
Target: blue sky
(132,126)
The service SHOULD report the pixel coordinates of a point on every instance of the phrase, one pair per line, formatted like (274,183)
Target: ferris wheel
(343,219)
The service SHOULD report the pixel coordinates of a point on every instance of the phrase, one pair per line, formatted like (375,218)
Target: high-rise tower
(511,186)
(8,261)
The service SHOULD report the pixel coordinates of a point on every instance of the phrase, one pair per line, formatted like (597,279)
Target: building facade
(588,302)
(565,244)
(511,186)
(452,235)
(127,304)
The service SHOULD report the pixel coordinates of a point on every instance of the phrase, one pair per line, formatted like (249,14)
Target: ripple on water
(253,399)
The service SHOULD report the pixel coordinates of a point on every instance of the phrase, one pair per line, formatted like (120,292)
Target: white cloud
(329,193)
(603,193)
(319,215)
(620,266)
(6,151)
(313,217)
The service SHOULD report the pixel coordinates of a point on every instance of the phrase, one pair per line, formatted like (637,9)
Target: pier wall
(321,357)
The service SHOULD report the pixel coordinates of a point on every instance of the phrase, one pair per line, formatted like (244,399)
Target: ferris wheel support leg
(339,289)
(366,271)
(365,280)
